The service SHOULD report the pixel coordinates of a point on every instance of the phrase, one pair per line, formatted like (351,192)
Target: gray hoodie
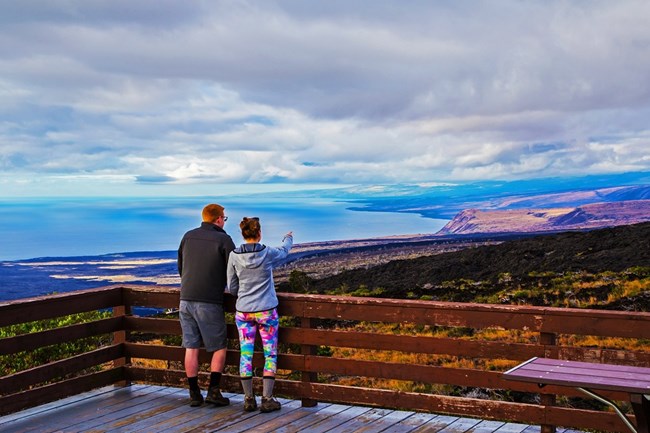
(250,275)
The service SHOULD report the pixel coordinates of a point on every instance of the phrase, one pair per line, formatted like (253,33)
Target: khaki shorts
(203,325)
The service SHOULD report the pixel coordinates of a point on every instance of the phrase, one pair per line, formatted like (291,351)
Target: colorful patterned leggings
(247,324)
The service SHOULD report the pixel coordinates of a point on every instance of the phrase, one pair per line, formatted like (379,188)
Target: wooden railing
(120,361)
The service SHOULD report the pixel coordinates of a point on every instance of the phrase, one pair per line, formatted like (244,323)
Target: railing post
(120,337)
(547,339)
(308,377)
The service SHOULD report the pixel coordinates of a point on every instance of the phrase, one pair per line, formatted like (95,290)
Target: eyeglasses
(225,218)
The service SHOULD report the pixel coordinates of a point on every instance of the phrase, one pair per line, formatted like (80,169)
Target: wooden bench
(590,377)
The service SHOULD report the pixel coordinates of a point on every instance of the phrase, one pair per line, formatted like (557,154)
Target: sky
(154,97)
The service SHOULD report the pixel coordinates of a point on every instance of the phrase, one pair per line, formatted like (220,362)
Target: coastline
(40,276)
(85,227)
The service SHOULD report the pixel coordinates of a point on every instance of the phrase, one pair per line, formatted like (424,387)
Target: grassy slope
(542,270)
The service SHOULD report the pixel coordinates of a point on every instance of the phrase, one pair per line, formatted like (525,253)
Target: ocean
(31,228)
(58,245)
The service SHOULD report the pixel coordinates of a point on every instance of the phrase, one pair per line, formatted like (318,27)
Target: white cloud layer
(190,92)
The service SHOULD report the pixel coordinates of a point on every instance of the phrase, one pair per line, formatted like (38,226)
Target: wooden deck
(151,408)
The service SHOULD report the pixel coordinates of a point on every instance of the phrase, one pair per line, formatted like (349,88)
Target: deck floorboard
(152,408)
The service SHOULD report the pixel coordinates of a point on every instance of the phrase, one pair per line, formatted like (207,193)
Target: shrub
(16,362)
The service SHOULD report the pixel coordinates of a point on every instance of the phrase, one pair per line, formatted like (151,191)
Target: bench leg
(613,406)
(641,406)
(547,400)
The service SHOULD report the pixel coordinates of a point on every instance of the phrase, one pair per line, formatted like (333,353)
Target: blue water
(31,228)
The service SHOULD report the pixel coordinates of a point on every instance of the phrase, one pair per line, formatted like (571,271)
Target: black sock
(215,378)
(194,382)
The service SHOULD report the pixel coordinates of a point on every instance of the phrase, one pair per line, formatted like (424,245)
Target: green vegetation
(576,289)
(13,363)
(606,268)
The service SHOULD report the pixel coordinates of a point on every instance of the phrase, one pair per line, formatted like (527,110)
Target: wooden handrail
(543,324)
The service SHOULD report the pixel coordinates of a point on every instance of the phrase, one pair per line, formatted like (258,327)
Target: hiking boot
(196,399)
(269,404)
(250,404)
(214,397)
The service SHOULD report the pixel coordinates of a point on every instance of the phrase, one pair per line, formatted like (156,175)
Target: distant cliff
(445,202)
(588,216)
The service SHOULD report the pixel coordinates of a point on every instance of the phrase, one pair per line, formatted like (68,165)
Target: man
(202,259)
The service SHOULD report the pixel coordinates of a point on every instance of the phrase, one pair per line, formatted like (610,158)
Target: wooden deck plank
(410,423)
(147,408)
(55,405)
(259,418)
(486,427)
(385,422)
(169,411)
(436,424)
(203,415)
(322,413)
(42,422)
(512,428)
(117,411)
(332,422)
(135,405)
(281,423)
(363,421)
(143,411)
(461,425)
(538,429)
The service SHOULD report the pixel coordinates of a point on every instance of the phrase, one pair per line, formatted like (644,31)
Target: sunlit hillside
(606,268)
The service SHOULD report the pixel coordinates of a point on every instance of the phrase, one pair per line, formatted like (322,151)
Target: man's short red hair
(212,212)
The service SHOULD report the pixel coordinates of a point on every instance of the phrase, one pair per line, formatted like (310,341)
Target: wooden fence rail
(127,357)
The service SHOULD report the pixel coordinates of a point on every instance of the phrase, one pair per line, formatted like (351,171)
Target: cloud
(154,179)
(164,92)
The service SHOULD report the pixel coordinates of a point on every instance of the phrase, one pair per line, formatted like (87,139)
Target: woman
(250,279)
